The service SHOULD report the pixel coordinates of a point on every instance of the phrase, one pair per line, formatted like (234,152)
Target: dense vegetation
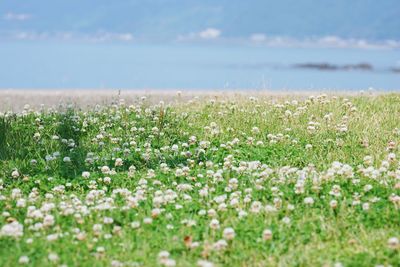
(213,181)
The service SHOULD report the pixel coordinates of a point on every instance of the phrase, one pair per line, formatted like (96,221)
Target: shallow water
(188,66)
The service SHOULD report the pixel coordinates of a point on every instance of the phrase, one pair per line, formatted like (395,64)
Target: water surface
(188,66)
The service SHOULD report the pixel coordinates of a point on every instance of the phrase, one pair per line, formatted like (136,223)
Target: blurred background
(204,45)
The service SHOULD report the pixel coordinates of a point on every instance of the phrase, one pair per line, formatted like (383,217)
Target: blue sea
(58,65)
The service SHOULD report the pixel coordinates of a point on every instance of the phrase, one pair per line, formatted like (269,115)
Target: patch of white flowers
(198,190)
(13,229)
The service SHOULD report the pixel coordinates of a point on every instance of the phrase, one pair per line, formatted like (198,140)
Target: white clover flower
(15,174)
(52,237)
(163,255)
(155,212)
(107,180)
(147,220)
(81,236)
(309,201)
(256,207)
(163,258)
(291,207)
(135,224)
(192,139)
(267,234)
(214,224)
(368,160)
(48,220)
(234,202)
(229,233)
(85,174)
(119,162)
(203,192)
(365,206)
(204,263)
(288,113)
(23,260)
(21,203)
(105,170)
(155,130)
(100,250)
(286,220)
(333,204)
(13,229)
(169,263)
(116,263)
(255,130)
(394,243)
(97,227)
(16,193)
(36,136)
(117,230)
(391,157)
(179,172)
(108,220)
(53,257)
(202,212)
(175,148)
(220,245)
(368,187)
(242,214)
(336,191)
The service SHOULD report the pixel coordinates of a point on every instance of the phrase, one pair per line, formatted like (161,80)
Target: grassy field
(226,180)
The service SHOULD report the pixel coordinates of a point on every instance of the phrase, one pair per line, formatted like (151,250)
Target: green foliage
(71,144)
(277,152)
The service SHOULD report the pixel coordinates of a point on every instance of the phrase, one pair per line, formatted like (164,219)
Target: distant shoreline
(16,99)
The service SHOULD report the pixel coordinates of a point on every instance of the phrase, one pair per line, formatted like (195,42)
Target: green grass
(261,150)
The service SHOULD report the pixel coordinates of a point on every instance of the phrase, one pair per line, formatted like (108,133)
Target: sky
(199,43)
(201,20)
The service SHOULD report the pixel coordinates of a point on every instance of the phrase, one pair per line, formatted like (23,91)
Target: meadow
(210,180)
